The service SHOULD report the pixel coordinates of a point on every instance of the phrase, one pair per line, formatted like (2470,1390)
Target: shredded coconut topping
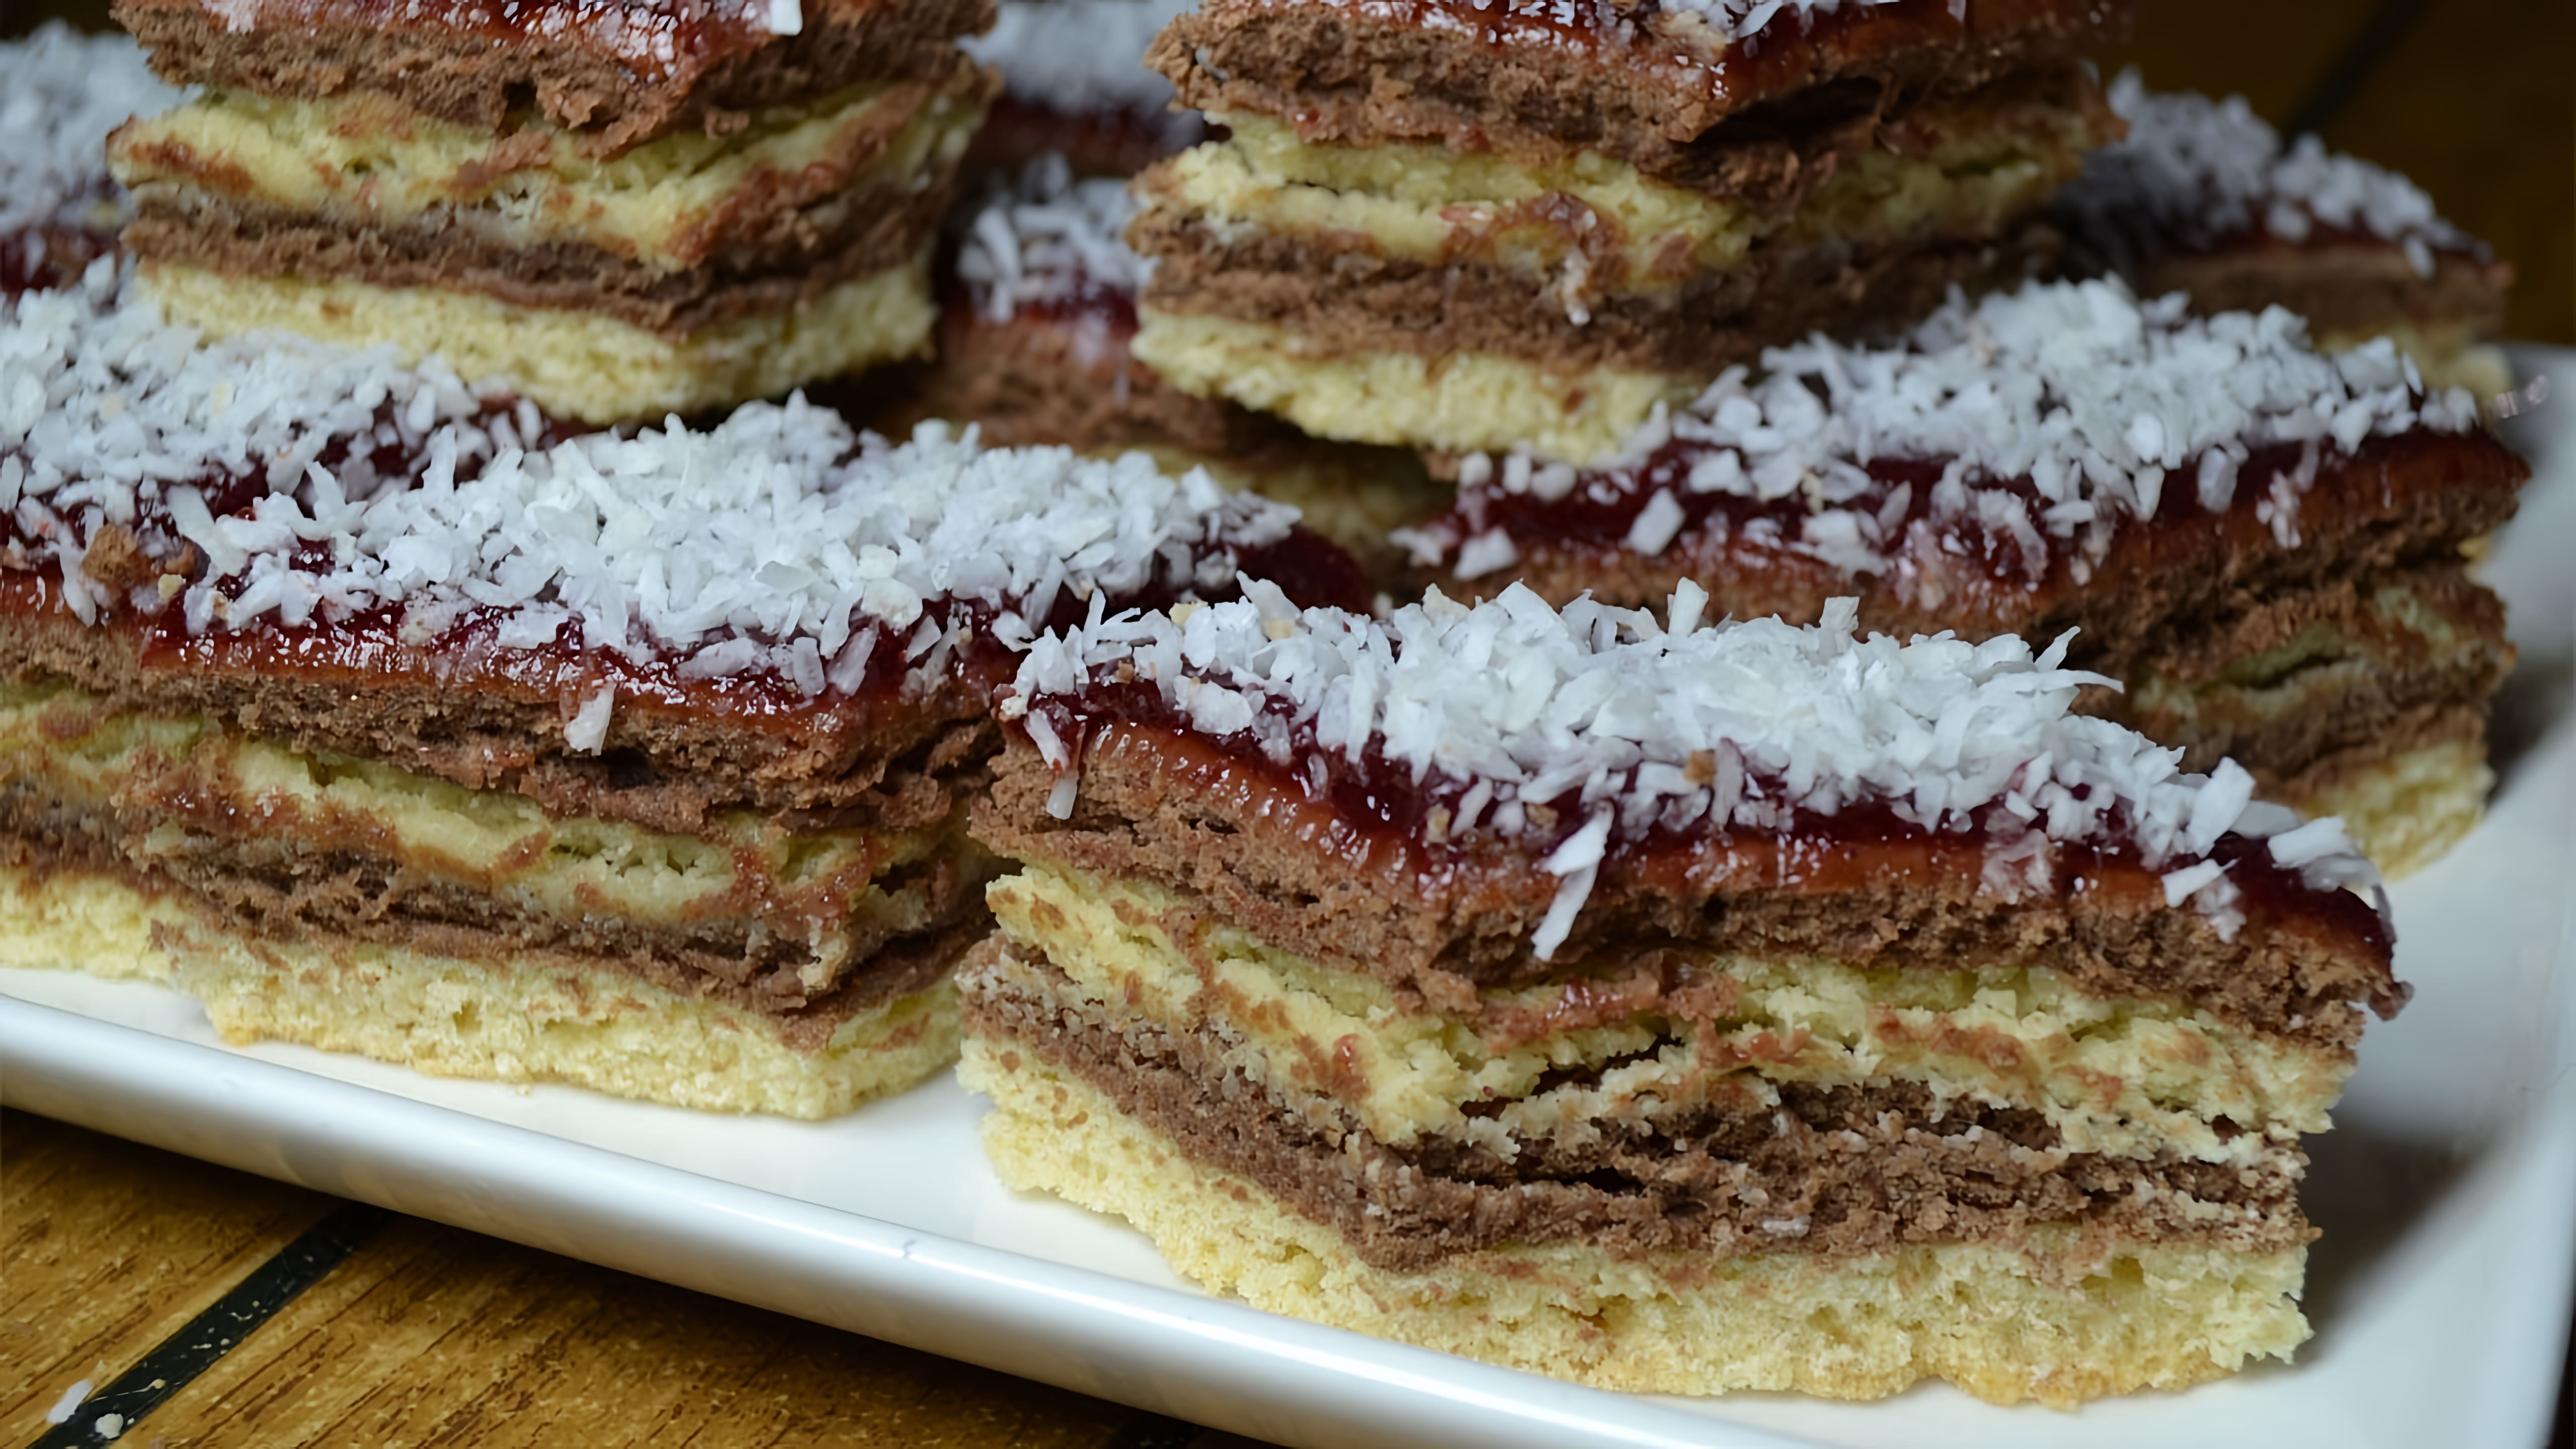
(2194,172)
(61,92)
(779,540)
(2055,413)
(1523,715)
(1076,57)
(1047,238)
(1735,20)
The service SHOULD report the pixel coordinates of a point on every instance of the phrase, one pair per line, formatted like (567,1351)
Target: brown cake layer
(900,967)
(621,73)
(1343,300)
(801,254)
(2395,503)
(307,876)
(1063,375)
(2349,287)
(672,755)
(2395,683)
(1441,921)
(1852,1169)
(1651,86)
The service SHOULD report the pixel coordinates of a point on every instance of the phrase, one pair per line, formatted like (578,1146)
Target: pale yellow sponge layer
(1463,402)
(508,1021)
(69,920)
(498,1020)
(2408,812)
(576,365)
(2059,1317)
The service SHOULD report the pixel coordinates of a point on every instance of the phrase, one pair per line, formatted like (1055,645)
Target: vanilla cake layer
(1586,224)
(1457,402)
(280,840)
(2406,807)
(1520,1071)
(575,365)
(532,1018)
(672,203)
(2058,1317)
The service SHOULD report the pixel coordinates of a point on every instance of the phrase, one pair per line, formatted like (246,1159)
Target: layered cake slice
(1664,1006)
(64,91)
(2265,544)
(1037,311)
(1074,84)
(2202,197)
(627,209)
(388,715)
(1468,224)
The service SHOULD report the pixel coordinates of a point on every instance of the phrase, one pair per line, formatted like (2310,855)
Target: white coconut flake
(771,541)
(69,1403)
(1077,57)
(1742,19)
(1047,238)
(2057,413)
(1532,717)
(784,17)
(61,92)
(2195,172)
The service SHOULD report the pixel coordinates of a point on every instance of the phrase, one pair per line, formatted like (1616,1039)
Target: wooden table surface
(213,1308)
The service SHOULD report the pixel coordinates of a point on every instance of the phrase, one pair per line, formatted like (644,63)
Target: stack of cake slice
(388,717)
(61,92)
(627,209)
(2265,545)
(1038,309)
(1461,225)
(2203,198)
(1667,1007)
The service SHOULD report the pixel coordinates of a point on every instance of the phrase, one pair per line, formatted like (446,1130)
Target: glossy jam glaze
(1595,516)
(1368,814)
(1795,48)
(656,39)
(388,647)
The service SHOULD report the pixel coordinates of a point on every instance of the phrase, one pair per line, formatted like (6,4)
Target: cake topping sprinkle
(2055,414)
(771,541)
(1077,57)
(1522,719)
(61,92)
(1046,238)
(2198,171)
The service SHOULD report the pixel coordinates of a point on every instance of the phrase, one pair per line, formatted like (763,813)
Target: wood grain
(431,1336)
(109,1248)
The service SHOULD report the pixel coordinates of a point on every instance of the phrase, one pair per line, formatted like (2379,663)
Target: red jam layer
(1371,814)
(1598,512)
(1111,142)
(1793,50)
(372,649)
(656,39)
(48,258)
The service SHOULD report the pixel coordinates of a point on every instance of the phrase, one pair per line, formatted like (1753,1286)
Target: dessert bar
(401,718)
(1668,1006)
(627,209)
(1460,225)
(2266,546)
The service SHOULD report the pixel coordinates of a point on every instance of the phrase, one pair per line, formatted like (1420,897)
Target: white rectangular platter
(2440,1291)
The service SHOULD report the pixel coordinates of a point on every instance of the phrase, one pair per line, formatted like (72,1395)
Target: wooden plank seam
(112,1412)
